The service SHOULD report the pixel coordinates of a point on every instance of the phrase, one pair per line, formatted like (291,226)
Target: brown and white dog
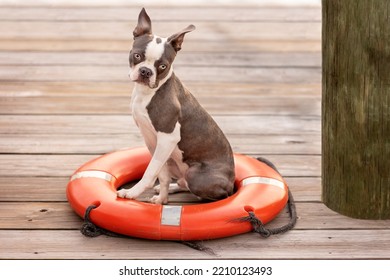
(184,140)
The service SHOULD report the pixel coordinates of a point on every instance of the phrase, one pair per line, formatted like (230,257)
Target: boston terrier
(185,142)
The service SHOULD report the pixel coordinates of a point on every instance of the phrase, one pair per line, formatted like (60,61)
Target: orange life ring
(259,188)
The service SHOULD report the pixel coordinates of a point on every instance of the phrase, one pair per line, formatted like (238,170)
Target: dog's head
(152,56)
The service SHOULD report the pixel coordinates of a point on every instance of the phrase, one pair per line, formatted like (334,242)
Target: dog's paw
(173,188)
(134,192)
(159,200)
(129,194)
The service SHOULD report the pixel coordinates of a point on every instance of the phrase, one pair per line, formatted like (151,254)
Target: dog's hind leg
(209,181)
(180,185)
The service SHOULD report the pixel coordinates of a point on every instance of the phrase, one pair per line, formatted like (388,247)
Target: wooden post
(356,107)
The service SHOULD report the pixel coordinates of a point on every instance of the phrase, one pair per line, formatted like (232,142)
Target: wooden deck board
(264,144)
(109,13)
(64,96)
(59,44)
(113,89)
(192,59)
(87,97)
(297,244)
(69,73)
(210,31)
(118,124)
(120,105)
(48,165)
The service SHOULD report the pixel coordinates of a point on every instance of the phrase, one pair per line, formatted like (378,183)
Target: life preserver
(259,188)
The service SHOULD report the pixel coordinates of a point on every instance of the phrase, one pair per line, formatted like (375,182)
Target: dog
(185,142)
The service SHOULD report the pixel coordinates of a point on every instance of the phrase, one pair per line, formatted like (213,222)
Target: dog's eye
(162,67)
(137,56)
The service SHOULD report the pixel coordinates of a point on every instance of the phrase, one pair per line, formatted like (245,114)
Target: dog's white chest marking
(140,99)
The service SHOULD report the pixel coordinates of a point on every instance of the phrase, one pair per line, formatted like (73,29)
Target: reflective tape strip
(92,174)
(262,180)
(171,215)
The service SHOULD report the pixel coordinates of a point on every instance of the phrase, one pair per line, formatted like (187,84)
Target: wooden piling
(356,107)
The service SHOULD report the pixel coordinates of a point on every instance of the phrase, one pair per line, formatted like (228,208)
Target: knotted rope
(259,227)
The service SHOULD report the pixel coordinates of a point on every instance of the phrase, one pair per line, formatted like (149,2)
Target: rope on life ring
(259,227)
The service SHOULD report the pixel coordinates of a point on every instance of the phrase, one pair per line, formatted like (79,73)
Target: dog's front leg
(164,178)
(166,143)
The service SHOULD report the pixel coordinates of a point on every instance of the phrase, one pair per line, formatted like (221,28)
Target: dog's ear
(144,25)
(177,39)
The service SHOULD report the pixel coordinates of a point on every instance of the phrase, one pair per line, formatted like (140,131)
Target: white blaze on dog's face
(151,57)
(150,60)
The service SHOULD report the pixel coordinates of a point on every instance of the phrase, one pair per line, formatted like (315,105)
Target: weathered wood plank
(120,124)
(297,244)
(65,165)
(157,4)
(308,244)
(55,244)
(81,144)
(33,188)
(91,105)
(186,73)
(48,215)
(49,189)
(38,215)
(109,13)
(212,31)
(59,44)
(199,89)
(226,59)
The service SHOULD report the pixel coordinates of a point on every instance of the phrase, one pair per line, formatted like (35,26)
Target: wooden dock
(64,99)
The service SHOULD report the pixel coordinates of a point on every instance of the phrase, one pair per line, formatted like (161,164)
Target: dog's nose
(145,72)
